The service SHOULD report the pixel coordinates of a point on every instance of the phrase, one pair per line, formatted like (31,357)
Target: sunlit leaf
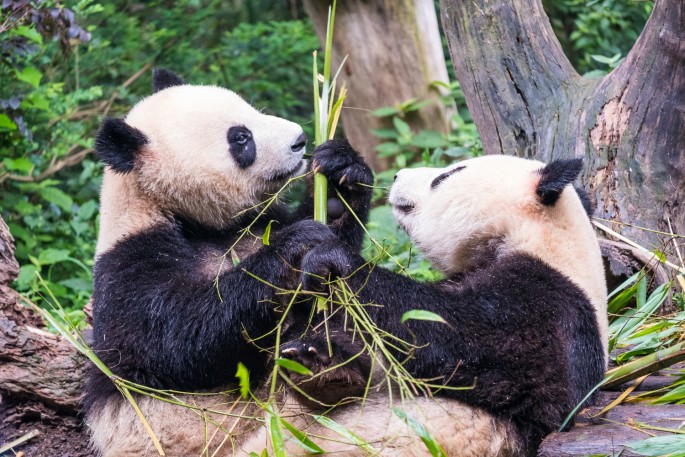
(30,74)
(243,376)
(267,234)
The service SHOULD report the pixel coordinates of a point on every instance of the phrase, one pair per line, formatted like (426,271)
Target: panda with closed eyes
(524,302)
(185,288)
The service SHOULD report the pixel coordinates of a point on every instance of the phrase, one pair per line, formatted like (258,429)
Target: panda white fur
(184,171)
(524,299)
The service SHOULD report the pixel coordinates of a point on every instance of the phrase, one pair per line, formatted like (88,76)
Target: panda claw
(343,180)
(312,350)
(289,351)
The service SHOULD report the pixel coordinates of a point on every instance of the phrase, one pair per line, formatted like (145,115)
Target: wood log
(41,374)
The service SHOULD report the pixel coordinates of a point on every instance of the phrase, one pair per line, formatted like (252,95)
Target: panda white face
(451,212)
(209,154)
(199,152)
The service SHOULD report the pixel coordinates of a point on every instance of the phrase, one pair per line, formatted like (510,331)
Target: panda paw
(335,376)
(325,262)
(295,240)
(342,165)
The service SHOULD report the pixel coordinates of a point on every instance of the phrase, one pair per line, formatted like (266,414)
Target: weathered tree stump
(41,374)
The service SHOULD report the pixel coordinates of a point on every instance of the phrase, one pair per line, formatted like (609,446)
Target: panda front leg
(349,179)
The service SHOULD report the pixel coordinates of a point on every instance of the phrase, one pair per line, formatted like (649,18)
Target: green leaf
(276,432)
(29,32)
(388,149)
(386,134)
(243,376)
(78,284)
(30,74)
(428,139)
(267,233)
(87,210)
(56,196)
(6,123)
(385,111)
(431,444)
(293,366)
(660,255)
(667,445)
(345,433)
(51,256)
(457,151)
(302,439)
(27,274)
(21,164)
(402,127)
(422,315)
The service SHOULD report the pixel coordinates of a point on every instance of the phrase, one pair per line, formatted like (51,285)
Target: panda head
(199,152)
(494,205)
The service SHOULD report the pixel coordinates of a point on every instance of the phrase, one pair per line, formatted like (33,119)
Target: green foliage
(596,34)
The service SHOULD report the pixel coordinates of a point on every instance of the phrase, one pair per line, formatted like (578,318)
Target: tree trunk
(526,99)
(395,52)
(41,375)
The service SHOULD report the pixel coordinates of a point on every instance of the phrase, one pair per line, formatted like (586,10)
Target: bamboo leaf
(422,315)
(276,432)
(345,433)
(432,445)
(293,366)
(302,439)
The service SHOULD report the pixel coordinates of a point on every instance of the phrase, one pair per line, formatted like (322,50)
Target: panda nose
(394,178)
(300,143)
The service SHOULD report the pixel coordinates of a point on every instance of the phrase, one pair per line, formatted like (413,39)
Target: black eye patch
(436,182)
(241,145)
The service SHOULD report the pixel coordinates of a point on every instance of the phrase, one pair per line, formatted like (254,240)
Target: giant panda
(185,286)
(524,302)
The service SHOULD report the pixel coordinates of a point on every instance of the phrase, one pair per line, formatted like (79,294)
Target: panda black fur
(524,300)
(184,171)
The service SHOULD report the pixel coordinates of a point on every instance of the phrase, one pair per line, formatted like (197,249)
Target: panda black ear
(163,78)
(117,144)
(554,177)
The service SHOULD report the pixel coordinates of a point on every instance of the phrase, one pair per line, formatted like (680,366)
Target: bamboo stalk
(326,114)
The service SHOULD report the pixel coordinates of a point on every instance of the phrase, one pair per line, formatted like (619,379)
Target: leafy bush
(596,34)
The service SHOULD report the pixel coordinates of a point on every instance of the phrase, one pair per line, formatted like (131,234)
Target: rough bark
(395,52)
(40,374)
(526,99)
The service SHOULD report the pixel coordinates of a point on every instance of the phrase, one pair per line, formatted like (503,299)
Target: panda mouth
(287,174)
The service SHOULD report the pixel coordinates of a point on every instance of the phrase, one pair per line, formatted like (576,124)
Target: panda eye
(436,182)
(242,138)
